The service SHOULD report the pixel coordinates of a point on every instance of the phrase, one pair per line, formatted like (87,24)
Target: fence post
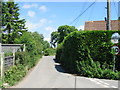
(0,48)
(2,66)
(24,48)
(13,56)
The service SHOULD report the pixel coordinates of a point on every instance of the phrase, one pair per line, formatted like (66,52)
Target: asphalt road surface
(49,74)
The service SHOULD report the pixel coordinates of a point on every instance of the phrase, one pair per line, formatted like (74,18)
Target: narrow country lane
(48,74)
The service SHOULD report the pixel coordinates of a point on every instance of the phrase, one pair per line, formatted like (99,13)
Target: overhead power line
(115,7)
(82,13)
(82,9)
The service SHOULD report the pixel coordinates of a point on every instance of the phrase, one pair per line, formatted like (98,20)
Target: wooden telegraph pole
(108,26)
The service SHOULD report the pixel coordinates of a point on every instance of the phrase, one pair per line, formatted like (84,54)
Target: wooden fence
(8,61)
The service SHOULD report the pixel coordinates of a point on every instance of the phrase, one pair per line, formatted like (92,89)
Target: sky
(46,17)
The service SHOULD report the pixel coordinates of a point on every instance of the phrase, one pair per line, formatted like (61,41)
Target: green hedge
(59,52)
(86,46)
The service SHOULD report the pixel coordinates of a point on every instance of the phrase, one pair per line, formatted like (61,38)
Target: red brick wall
(101,25)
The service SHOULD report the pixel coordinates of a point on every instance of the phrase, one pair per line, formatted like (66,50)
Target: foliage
(33,41)
(54,38)
(8,54)
(93,69)
(59,52)
(12,26)
(46,45)
(14,31)
(84,48)
(35,45)
(25,58)
(14,74)
(64,31)
(21,58)
(49,51)
(59,35)
(1,84)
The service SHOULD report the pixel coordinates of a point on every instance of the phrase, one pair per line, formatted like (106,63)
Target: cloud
(31,13)
(44,20)
(43,8)
(26,6)
(49,28)
(47,39)
(31,26)
(81,27)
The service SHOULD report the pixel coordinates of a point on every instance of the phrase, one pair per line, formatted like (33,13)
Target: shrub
(8,54)
(21,58)
(26,58)
(109,74)
(14,74)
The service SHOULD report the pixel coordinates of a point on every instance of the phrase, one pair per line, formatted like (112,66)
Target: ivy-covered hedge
(88,46)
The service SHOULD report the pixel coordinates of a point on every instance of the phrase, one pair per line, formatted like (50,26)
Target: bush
(49,51)
(8,54)
(109,74)
(82,47)
(89,69)
(21,58)
(14,74)
(27,59)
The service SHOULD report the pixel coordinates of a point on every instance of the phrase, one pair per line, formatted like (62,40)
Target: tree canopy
(14,30)
(59,35)
(12,26)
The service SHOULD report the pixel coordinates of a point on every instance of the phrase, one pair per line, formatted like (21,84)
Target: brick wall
(101,25)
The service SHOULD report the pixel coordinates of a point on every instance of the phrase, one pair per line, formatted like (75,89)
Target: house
(101,25)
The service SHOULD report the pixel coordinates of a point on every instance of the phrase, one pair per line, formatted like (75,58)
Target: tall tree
(61,33)
(12,25)
(64,31)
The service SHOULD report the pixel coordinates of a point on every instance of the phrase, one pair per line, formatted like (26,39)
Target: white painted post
(2,66)
(13,56)
(24,48)
(0,48)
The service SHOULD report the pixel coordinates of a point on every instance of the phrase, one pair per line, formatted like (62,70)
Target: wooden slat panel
(8,62)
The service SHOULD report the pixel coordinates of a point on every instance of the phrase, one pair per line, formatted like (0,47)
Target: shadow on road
(58,67)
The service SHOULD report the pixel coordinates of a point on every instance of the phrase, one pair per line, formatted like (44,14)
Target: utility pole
(108,26)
